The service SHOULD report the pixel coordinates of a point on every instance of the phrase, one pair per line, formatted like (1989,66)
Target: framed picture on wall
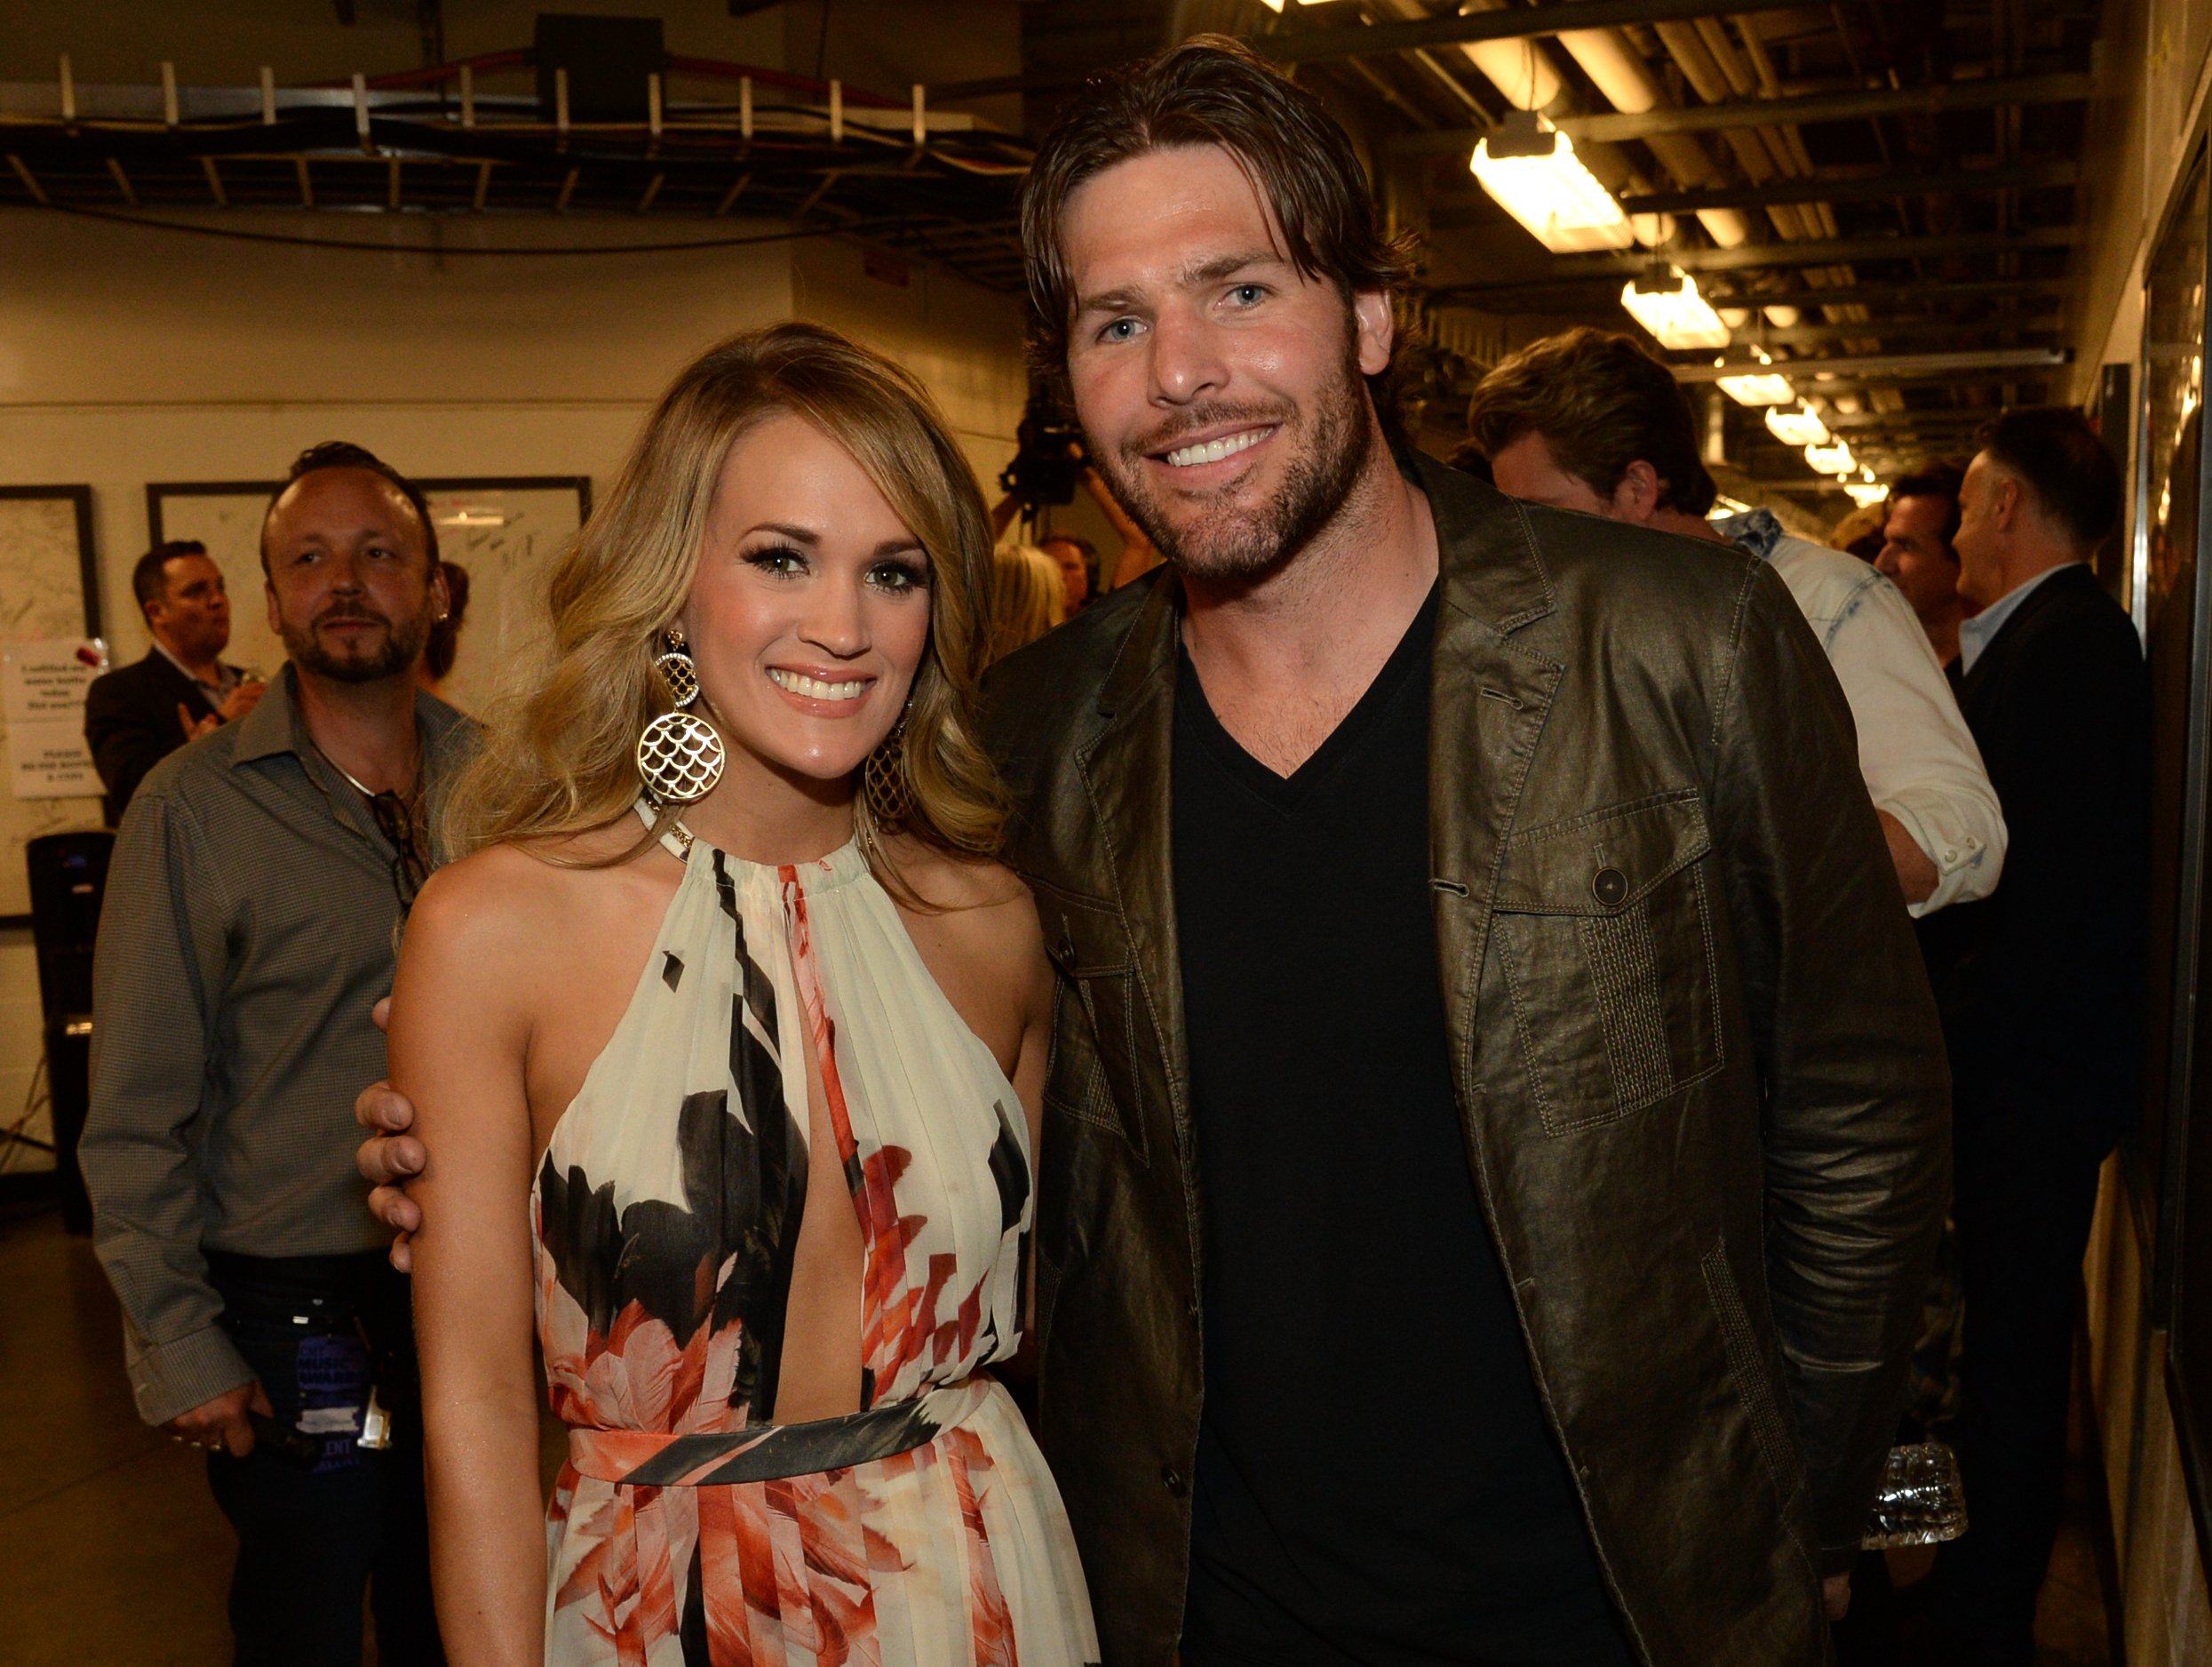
(504,532)
(2173,477)
(49,599)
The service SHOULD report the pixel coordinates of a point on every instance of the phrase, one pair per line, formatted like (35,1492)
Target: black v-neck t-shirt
(1376,1481)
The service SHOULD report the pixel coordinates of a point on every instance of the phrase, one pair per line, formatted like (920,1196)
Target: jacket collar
(276,728)
(1490,696)
(1487,559)
(2018,603)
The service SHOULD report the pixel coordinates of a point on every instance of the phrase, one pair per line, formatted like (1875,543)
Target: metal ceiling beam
(1519,23)
(1880,365)
(1571,294)
(1859,188)
(1815,335)
(1825,252)
(1897,294)
(1991,94)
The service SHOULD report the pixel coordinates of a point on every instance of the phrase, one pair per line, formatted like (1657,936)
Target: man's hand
(1835,1591)
(223,1422)
(390,1157)
(388,1160)
(242,699)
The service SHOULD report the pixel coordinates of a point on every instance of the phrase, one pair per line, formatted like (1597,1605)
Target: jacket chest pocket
(1091,1075)
(1603,933)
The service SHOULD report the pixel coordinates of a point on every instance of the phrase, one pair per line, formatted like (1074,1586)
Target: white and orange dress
(687,1529)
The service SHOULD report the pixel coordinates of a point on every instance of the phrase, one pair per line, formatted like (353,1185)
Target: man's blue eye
(1249,293)
(1119,331)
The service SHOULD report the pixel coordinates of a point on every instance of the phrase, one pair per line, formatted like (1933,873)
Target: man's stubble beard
(1249,545)
(403,641)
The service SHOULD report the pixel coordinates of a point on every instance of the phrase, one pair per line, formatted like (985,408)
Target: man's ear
(2004,502)
(1638,494)
(1375,328)
(268,589)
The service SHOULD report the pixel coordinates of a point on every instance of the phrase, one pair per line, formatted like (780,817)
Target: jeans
(317,1331)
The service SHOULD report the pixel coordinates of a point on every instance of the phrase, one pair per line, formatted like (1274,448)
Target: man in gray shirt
(251,921)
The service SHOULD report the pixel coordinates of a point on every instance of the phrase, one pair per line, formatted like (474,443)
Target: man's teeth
(1214,450)
(813,688)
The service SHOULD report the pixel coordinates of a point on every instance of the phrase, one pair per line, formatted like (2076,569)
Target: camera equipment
(1048,455)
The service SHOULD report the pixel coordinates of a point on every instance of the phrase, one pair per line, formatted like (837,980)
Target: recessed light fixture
(1831,459)
(1675,313)
(1760,387)
(1798,428)
(1531,170)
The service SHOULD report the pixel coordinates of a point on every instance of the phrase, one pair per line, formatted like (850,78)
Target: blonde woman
(731,1074)
(1029,596)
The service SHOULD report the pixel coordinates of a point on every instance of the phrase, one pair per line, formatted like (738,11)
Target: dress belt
(651,1458)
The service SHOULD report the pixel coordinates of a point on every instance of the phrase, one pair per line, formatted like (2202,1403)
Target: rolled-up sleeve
(157,978)
(1915,753)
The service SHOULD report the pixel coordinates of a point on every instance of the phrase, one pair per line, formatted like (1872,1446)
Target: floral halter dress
(686,1527)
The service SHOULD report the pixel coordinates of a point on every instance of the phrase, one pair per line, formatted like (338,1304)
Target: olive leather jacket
(1698,1069)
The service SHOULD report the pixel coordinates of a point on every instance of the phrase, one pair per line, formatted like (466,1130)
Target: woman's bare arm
(459,1040)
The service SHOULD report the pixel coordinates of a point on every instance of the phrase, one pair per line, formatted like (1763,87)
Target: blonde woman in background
(1029,596)
(732,1075)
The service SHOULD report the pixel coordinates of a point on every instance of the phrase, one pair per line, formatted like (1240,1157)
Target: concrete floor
(111,1550)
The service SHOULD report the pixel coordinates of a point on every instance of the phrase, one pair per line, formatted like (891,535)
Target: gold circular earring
(679,754)
(884,782)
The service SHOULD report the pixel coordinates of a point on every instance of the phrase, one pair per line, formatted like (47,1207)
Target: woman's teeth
(1214,450)
(813,688)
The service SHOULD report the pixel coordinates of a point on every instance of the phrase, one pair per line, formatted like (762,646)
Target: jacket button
(1609,886)
(1067,946)
(1171,1478)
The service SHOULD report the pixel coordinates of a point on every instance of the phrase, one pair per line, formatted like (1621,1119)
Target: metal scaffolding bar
(1992,94)
(1862,188)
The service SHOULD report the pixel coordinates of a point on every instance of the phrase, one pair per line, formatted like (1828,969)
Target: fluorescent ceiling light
(1533,173)
(1831,459)
(1677,317)
(1865,495)
(1764,388)
(1799,427)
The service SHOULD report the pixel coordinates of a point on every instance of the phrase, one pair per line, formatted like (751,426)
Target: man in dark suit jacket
(136,715)
(2040,985)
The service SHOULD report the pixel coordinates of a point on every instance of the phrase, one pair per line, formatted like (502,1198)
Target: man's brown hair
(1208,91)
(1601,403)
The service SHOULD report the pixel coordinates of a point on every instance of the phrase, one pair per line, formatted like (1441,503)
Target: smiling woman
(732,1087)
(561,760)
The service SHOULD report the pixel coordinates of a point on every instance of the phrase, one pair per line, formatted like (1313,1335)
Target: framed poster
(2173,478)
(49,610)
(505,531)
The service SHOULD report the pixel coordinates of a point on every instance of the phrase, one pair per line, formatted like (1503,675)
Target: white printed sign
(42,690)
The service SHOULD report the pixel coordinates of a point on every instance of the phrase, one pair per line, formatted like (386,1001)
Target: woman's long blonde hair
(1029,596)
(560,758)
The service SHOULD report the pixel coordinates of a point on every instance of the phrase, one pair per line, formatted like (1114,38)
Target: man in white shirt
(1587,421)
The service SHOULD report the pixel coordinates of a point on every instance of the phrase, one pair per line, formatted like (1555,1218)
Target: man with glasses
(252,919)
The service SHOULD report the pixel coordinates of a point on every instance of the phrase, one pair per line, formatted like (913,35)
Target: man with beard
(1489,1168)
(253,916)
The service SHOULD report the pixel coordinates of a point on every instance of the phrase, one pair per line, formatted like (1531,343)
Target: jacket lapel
(1127,768)
(1488,702)
(1991,657)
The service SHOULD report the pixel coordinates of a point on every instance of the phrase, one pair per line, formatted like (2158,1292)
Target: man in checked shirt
(252,921)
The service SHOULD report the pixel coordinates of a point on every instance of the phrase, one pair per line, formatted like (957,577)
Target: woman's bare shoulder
(962,885)
(518,898)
